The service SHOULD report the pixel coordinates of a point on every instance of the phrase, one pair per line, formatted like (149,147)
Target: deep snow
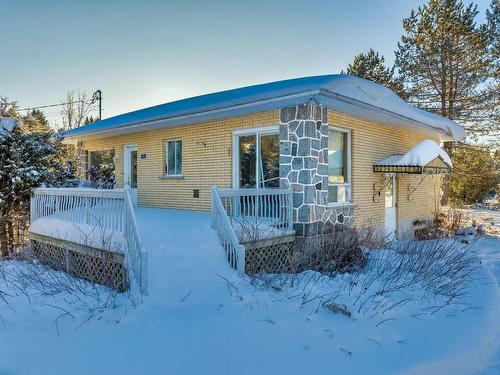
(194,322)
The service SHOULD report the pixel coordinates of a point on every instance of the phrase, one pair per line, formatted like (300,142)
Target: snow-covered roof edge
(343,93)
(418,156)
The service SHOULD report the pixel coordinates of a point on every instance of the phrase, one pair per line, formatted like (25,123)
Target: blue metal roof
(342,92)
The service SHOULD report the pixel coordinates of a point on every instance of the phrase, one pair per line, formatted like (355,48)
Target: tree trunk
(445,197)
(4,248)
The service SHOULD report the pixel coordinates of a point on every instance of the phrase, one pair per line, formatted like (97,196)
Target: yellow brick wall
(372,142)
(207,160)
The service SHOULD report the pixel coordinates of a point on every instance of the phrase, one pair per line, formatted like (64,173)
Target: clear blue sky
(142,53)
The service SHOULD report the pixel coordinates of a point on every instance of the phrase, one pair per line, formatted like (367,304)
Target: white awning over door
(424,158)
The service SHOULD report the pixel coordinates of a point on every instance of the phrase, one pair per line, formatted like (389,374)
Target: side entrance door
(390,208)
(130,170)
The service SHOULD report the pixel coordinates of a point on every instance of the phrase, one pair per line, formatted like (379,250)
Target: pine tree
(447,66)
(371,66)
(35,121)
(493,22)
(89,120)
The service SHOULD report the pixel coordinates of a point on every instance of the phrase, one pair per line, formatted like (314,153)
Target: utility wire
(96,97)
(53,105)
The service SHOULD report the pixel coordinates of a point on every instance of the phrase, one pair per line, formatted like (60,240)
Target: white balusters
(104,208)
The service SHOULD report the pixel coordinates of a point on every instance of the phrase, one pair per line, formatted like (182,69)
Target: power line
(96,96)
(51,105)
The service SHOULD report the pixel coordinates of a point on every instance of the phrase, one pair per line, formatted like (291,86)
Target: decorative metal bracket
(379,187)
(413,188)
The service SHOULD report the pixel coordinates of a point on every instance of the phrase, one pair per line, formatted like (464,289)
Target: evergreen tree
(476,174)
(27,159)
(493,24)
(35,121)
(89,120)
(371,66)
(447,66)
(7,109)
(493,19)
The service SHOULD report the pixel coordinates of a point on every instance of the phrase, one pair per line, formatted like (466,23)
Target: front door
(130,170)
(390,208)
(257,160)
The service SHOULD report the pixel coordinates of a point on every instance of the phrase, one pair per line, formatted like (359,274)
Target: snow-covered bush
(102,177)
(27,160)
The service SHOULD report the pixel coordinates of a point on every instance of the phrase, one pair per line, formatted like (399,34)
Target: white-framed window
(339,166)
(173,157)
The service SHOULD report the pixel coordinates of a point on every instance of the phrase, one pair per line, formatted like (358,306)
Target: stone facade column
(304,169)
(304,164)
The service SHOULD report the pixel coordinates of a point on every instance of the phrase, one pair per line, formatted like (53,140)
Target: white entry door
(390,208)
(130,170)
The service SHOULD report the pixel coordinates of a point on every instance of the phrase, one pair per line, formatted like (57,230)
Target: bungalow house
(309,151)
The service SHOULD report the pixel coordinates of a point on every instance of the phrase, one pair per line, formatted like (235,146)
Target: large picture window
(339,174)
(173,157)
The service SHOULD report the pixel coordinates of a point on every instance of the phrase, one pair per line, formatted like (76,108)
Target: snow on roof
(419,155)
(342,92)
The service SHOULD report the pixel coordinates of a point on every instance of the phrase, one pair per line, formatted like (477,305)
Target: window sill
(172,177)
(342,205)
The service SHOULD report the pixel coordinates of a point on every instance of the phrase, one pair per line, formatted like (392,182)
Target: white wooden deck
(106,220)
(102,219)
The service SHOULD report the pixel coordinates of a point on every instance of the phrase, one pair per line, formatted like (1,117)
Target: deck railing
(272,206)
(137,257)
(94,207)
(242,213)
(98,208)
(234,251)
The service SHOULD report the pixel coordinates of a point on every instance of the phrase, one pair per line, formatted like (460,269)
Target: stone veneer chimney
(304,168)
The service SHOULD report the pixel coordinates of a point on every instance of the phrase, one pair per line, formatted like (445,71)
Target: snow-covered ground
(201,318)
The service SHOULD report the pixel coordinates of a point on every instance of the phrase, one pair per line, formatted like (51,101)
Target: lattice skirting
(269,259)
(105,268)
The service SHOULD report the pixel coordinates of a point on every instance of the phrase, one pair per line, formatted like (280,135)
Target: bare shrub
(444,223)
(25,276)
(439,268)
(371,236)
(335,249)
(33,273)
(437,273)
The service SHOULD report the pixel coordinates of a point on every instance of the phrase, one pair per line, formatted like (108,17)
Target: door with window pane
(390,207)
(130,170)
